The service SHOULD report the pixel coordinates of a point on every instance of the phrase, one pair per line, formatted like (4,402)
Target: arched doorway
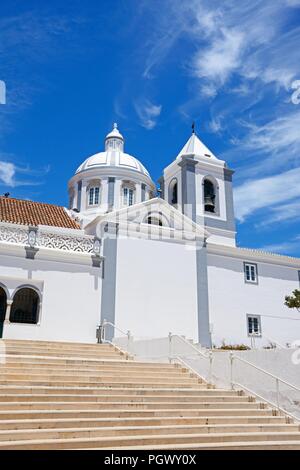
(25,307)
(3,305)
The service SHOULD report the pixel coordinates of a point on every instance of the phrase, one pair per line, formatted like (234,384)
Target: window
(71,199)
(154,221)
(254,325)
(94,194)
(209,196)
(25,307)
(128,194)
(173,192)
(250,273)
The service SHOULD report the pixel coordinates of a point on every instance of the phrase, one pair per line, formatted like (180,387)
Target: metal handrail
(189,367)
(279,408)
(120,350)
(206,356)
(105,322)
(209,356)
(234,356)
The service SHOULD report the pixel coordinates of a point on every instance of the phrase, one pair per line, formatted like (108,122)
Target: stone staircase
(84,396)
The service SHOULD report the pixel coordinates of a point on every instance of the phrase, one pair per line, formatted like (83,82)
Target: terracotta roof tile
(20,211)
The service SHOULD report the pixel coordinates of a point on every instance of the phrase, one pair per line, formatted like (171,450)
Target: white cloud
(147,113)
(215,124)
(293,3)
(284,247)
(266,192)
(269,147)
(249,39)
(280,134)
(289,212)
(221,58)
(2,92)
(7,173)
(14,176)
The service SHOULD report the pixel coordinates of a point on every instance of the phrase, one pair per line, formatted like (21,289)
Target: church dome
(113,156)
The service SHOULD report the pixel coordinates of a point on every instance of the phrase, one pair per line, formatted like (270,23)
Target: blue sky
(72,68)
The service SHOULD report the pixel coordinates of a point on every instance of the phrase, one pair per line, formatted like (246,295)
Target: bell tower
(202,184)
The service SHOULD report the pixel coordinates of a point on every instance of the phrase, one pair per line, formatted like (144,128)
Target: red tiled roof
(20,211)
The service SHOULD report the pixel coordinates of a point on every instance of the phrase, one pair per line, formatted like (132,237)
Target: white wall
(71,296)
(156,288)
(231,299)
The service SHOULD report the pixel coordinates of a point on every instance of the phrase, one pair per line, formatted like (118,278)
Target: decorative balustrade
(45,238)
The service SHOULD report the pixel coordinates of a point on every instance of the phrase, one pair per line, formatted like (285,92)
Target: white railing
(102,336)
(207,355)
(188,366)
(277,382)
(215,367)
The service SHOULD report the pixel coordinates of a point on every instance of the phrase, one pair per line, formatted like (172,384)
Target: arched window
(3,305)
(209,196)
(94,195)
(25,307)
(71,198)
(154,221)
(173,192)
(128,196)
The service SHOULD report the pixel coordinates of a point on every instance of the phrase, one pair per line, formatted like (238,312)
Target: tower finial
(114,139)
(193,127)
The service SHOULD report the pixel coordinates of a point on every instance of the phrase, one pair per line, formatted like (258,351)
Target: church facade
(148,264)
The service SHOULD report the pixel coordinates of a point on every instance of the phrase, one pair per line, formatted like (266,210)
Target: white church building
(148,264)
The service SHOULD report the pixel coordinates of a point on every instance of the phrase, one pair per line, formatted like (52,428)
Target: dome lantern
(114,140)
(109,180)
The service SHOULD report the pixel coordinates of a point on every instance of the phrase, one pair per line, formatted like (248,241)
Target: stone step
(132,383)
(73,396)
(116,367)
(82,413)
(119,431)
(54,343)
(146,391)
(250,445)
(69,354)
(127,442)
(44,345)
(43,360)
(173,373)
(122,405)
(29,398)
(109,376)
(72,353)
(160,421)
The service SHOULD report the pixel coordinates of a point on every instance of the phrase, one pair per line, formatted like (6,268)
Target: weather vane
(193,127)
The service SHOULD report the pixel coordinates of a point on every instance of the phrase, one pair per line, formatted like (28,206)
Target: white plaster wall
(217,239)
(231,299)
(156,288)
(71,296)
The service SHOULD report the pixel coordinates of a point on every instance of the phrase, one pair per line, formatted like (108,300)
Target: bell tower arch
(204,189)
